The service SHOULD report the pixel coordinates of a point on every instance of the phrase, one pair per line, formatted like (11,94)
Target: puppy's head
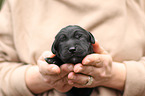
(72,44)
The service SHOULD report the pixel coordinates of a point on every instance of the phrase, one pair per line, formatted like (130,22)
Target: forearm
(117,81)
(34,81)
(12,81)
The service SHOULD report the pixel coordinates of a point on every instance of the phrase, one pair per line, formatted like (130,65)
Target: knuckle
(100,75)
(47,80)
(88,70)
(41,71)
(91,71)
(103,75)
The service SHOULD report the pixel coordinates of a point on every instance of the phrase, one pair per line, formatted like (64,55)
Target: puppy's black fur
(71,45)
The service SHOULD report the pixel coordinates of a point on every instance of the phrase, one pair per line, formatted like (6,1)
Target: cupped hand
(98,66)
(53,75)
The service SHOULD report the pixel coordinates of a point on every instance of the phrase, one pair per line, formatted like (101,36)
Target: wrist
(117,81)
(34,81)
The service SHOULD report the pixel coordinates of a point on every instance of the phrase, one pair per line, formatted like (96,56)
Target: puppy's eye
(77,36)
(62,38)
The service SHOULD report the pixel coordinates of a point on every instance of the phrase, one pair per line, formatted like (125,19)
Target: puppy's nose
(72,49)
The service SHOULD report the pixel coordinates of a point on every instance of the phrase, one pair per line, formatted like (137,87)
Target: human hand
(95,70)
(53,75)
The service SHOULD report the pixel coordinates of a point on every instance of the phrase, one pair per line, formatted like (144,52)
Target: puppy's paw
(54,60)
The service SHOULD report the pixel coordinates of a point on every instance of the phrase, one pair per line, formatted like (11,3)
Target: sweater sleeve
(135,77)
(135,80)
(12,73)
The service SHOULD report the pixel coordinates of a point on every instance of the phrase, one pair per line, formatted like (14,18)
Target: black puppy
(71,45)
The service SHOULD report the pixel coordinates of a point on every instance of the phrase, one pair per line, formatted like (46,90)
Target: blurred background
(1,2)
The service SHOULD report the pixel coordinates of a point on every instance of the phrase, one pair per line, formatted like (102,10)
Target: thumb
(46,54)
(98,49)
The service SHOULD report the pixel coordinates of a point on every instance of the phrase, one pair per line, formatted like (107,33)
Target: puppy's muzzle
(72,49)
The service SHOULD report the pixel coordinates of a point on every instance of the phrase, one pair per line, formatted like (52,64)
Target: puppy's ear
(53,48)
(92,39)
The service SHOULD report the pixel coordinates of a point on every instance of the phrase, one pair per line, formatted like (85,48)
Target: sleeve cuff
(19,84)
(135,79)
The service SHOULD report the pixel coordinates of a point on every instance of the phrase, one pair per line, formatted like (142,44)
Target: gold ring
(90,81)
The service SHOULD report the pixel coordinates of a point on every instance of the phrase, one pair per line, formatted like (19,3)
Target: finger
(66,69)
(48,69)
(62,85)
(98,49)
(64,88)
(87,70)
(93,60)
(78,79)
(46,54)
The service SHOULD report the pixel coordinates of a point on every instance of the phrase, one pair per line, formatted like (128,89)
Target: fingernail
(87,61)
(70,67)
(78,69)
(55,70)
(72,77)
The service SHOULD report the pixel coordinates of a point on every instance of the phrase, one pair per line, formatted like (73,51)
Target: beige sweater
(28,27)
